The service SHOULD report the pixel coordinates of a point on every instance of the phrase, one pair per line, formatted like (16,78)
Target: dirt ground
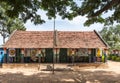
(72,74)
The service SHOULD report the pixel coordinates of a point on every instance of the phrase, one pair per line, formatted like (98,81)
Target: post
(5,55)
(73,59)
(22,55)
(73,54)
(57,55)
(69,55)
(39,58)
(43,58)
(105,55)
(89,54)
(58,58)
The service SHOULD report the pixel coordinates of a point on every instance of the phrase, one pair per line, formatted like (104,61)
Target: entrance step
(20,65)
(56,65)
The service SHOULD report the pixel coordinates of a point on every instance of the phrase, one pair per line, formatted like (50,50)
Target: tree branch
(107,6)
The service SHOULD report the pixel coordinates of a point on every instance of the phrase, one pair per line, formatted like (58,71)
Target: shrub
(114,58)
(117,59)
(109,57)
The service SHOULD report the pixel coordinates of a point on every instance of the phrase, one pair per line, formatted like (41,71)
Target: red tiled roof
(65,39)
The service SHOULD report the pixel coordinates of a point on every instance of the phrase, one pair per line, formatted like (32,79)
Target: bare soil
(64,74)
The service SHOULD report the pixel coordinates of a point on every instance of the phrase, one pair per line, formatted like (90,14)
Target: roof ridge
(53,31)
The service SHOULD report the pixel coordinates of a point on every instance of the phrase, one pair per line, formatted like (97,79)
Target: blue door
(1,56)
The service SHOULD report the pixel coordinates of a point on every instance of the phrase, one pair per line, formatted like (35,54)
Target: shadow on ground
(62,77)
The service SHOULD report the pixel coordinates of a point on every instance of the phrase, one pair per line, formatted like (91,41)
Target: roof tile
(44,39)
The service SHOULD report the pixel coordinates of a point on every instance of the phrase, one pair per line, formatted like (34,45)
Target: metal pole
(53,43)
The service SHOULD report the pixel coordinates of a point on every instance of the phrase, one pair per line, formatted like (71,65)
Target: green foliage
(25,9)
(94,20)
(28,9)
(14,24)
(110,57)
(117,59)
(93,9)
(7,24)
(112,36)
(114,58)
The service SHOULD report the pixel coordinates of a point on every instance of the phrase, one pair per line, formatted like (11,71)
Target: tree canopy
(7,24)
(93,9)
(112,36)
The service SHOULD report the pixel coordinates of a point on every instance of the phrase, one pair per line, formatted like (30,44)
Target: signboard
(11,52)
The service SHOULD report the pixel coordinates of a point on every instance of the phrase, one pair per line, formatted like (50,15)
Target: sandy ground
(76,75)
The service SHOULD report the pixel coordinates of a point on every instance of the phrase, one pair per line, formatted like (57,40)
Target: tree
(93,9)
(7,24)
(112,36)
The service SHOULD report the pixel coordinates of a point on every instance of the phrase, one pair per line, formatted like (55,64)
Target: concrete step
(57,65)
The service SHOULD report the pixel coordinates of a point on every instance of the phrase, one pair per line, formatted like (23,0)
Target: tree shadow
(62,77)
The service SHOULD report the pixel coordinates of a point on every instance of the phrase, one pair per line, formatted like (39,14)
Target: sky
(77,24)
